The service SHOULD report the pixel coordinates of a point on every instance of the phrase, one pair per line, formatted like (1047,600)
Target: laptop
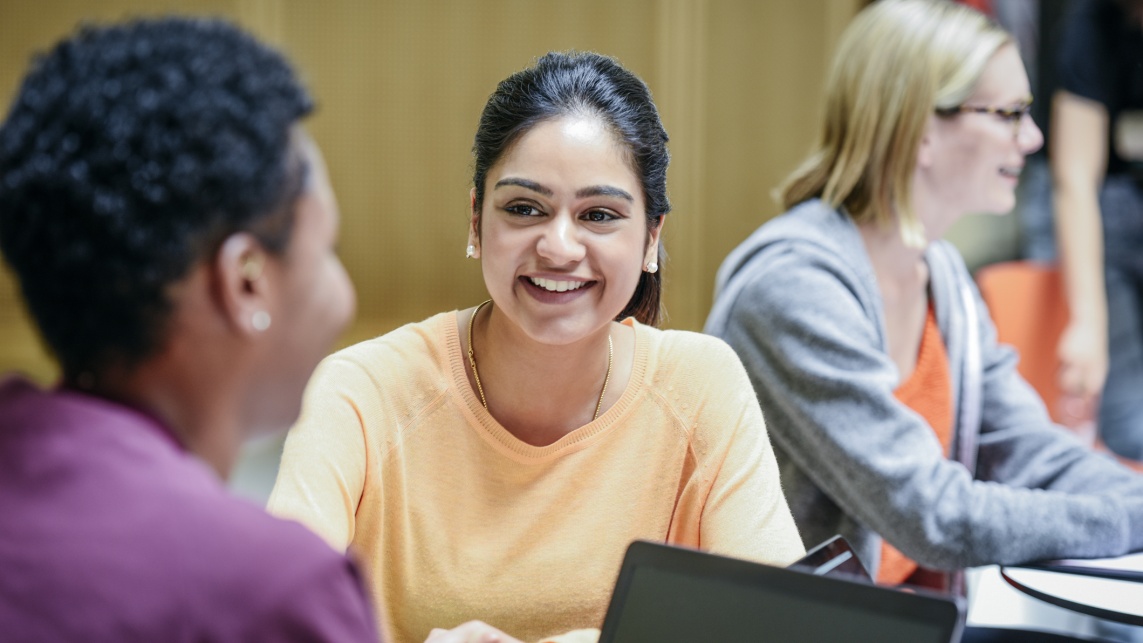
(673,595)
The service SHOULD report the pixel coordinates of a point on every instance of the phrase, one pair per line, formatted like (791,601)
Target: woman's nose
(559,243)
(1028,136)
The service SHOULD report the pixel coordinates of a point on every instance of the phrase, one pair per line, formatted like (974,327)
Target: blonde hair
(897,62)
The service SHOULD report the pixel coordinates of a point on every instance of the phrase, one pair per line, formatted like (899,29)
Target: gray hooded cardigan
(800,304)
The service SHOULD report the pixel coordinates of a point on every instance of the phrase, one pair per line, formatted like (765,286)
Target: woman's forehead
(585,145)
(1003,80)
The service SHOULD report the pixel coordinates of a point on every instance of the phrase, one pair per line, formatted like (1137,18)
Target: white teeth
(1013,172)
(552,285)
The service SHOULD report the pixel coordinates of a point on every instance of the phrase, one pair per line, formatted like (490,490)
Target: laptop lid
(672,595)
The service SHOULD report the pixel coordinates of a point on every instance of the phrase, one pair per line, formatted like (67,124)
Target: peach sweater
(455,519)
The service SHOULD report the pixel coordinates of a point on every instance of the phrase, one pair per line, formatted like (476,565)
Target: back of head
(897,62)
(129,153)
(583,84)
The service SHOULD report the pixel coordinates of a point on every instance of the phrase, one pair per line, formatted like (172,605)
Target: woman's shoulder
(675,345)
(688,359)
(811,222)
(809,238)
(401,357)
(409,340)
(701,380)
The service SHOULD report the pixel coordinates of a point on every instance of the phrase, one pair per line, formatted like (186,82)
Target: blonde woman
(898,420)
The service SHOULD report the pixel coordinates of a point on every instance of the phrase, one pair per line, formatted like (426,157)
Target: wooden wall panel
(767,66)
(400,87)
(682,90)
(744,82)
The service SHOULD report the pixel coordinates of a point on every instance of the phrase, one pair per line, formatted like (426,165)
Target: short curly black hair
(130,153)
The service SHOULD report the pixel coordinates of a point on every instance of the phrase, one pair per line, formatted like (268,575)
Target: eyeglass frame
(1014,116)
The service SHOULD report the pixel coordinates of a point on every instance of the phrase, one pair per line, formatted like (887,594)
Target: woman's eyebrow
(604,190)
(524,183)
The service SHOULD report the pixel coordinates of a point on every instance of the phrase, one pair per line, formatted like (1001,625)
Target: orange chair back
(1028,305)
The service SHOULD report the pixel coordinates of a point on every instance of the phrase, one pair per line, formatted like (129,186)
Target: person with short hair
(492,464)
(898,420)
(172,229)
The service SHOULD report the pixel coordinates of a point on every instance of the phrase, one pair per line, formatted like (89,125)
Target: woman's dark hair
(565,84)
(130,153)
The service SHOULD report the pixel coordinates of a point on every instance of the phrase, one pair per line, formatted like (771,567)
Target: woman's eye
(1016,113)
(522,210)
(599,216)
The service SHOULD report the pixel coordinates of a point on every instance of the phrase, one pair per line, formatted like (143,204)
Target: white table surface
(1118,600)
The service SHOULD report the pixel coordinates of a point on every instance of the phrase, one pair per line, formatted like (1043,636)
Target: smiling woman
(564,241)
(494,463)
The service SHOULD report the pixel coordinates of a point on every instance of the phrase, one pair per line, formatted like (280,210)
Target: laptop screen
(719,599)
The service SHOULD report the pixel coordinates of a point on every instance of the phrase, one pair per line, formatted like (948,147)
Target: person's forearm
(1079,235)
(1079,159)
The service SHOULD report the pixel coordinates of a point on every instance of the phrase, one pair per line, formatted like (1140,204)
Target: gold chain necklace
(476,373)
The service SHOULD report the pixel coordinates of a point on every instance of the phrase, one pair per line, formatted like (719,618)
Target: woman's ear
(926,148)
(473,250)
(243,284)
(651,256)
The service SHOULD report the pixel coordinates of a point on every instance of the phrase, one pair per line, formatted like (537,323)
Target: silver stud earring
(652,267)
(470,251)
(260,321)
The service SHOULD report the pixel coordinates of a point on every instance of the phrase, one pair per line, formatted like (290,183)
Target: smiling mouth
(1010,172)
(552,285)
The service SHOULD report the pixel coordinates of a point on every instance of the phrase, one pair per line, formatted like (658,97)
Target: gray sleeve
(826,387)
(1021,446)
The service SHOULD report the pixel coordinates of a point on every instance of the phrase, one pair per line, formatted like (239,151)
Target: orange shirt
(457,519)
(928,392)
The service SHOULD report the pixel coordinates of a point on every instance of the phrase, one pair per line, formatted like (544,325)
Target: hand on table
(470,632)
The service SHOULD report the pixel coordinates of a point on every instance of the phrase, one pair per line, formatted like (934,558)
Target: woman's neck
(892,258)
(902,279)
(541,392)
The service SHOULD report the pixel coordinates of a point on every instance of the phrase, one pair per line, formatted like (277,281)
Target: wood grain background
(400,86)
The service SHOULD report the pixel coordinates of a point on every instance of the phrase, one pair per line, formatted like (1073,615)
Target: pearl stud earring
(260,321)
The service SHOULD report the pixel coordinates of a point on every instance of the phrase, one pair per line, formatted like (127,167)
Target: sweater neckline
(480,420)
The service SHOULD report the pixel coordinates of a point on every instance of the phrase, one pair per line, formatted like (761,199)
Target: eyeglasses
(1013,115)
